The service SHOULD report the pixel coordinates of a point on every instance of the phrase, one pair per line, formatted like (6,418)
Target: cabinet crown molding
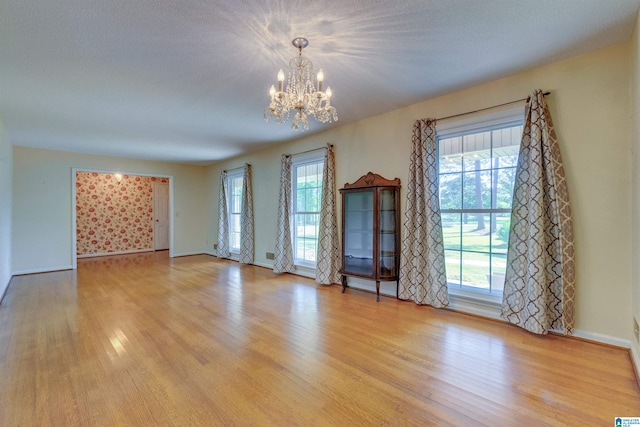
(373,180)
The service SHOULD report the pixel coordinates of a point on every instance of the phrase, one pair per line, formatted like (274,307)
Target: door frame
(74,242)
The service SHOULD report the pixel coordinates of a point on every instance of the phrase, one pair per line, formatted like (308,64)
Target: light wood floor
(145,340)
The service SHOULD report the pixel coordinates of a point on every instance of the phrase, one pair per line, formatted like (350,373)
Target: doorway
(160,215)
(116,212)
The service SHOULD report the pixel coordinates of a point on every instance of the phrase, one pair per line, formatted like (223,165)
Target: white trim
(491,310)
(308,273)
(6,288)
(464,303)
(257,264)
(42,270)
(171,216)
(635,360)
(238,173)
(467,300)
(298,270)
(74,224)
(448,129)
(74,249)
(312,157)
(304,271)
(480,296)
(602,338)
(187,254)
(210,253)
(308,157)
(135,251)
(308,265)
(263,265)
(234,256)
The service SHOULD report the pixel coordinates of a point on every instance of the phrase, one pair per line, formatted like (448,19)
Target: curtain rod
(309,151)
(239,167)
(488,108)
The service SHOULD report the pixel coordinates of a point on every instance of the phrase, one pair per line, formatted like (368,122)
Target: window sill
(473,302)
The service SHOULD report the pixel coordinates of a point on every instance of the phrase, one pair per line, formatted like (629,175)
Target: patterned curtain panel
(246,219)
(423,277)
(328,255)
(540,277)
(223,218)
(283,254)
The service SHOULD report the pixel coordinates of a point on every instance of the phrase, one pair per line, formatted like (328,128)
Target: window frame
(505,118)
(297,161)
(231,176)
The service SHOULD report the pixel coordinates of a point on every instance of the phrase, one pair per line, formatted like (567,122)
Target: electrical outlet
(270,255)
(215,246)
(636,330)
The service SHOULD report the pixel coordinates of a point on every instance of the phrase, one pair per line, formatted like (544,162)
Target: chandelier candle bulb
(301,97)
(280,80)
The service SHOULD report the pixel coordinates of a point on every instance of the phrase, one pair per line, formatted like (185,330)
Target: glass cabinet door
(358,232)
(388,251)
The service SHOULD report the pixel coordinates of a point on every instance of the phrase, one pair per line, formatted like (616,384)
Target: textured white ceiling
(187,80)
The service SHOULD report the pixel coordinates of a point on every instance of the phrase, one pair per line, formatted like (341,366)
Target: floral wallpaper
(114,216)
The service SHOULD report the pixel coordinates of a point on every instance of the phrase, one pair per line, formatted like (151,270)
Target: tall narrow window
(477,169)
(234,184)
(307,192)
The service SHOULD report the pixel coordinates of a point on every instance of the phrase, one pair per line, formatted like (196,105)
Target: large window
(234,186)
(307,192)
(477,171)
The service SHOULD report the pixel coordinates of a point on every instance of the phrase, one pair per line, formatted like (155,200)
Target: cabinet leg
(344,283)
(377,290)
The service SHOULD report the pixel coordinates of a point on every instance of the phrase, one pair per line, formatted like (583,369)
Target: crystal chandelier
(301,95)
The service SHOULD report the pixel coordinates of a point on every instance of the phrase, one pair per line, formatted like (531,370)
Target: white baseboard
(297,270)
(259,264)
(41,270)
(635,360)
(135,251)
(263,265)
(602,338)
(492,311)
(4,290)
(188,254)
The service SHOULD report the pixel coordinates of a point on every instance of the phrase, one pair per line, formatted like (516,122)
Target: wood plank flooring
(145,340)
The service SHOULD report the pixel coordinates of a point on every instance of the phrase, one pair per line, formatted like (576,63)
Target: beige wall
(6,163)
(635,188)
(42,237)
(590,108)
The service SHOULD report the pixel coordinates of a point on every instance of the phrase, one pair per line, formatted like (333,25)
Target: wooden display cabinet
(371,230)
